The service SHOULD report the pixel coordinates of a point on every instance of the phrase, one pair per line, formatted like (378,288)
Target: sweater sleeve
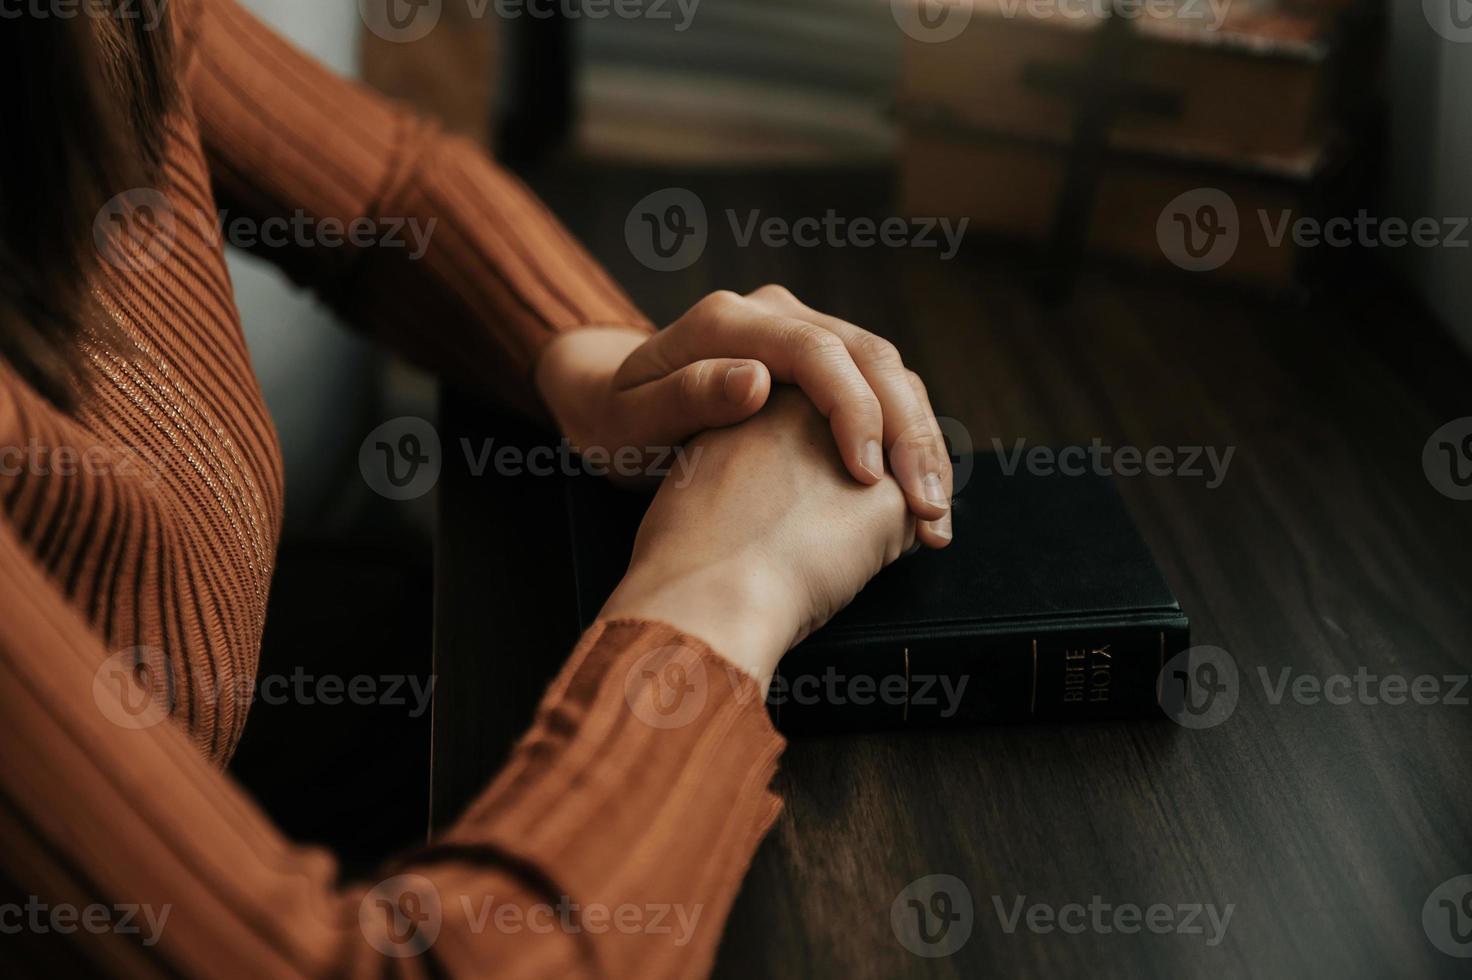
(454,263)
(612,845)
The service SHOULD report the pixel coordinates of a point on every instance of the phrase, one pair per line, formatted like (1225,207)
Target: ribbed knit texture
(138,537)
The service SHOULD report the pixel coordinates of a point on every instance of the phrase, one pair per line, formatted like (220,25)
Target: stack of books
(738,83)
(1179,130)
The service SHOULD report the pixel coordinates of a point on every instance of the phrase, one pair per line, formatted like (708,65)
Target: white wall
(1449,275)
(1431,152)
(317,378)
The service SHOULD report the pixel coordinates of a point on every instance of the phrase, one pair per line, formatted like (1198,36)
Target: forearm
(611,845)
(414,236)
(499,279)
(643,782)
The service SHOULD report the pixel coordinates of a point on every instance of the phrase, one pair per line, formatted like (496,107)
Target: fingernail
(872,459)
(933,490)
(941,526)
(739,382)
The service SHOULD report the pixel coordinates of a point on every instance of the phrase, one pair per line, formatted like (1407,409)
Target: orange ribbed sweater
(139,532)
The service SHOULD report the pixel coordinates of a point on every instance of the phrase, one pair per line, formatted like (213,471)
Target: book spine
(1074,674)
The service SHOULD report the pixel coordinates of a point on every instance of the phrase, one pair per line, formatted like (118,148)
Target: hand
(767,540)
(715,366)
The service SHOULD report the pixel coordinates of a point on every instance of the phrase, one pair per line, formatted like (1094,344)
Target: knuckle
(858,403)
(774,293)
(817,343)
(877,349)
(692,382)
(918,441)
(719,303)
(918,437)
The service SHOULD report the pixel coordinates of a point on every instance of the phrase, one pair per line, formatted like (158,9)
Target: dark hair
(84,121)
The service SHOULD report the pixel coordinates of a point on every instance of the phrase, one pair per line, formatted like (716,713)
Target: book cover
(1047,606)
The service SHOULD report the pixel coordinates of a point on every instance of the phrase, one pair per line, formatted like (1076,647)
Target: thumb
(704,395)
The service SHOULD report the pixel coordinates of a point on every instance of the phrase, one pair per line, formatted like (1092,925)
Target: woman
(142,500)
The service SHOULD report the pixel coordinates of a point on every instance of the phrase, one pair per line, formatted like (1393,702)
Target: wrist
(575,371)
(738,610)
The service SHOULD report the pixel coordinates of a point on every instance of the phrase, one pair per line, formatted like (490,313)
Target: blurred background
(1290,103)
(1126,170)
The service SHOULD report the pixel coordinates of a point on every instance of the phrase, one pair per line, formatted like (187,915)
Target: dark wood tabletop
(1326,551)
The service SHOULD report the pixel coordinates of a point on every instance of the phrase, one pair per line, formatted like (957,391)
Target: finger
(825,370)
(707,394)
(911,434)
(794,351)
(939,532)
(672,348)
(883,508)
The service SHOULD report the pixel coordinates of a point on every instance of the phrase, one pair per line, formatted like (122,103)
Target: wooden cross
(1100,91)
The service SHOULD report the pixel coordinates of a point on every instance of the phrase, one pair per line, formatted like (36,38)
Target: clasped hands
(819,462)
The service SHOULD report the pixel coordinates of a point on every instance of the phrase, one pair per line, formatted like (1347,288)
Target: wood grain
(1325,550)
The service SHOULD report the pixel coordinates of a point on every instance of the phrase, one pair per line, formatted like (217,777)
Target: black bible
(1048,606)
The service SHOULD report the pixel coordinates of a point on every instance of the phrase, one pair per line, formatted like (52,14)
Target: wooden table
(1325,550)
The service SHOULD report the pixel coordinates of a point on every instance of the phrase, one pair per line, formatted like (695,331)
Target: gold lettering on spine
(1101,674)
(1088,674)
